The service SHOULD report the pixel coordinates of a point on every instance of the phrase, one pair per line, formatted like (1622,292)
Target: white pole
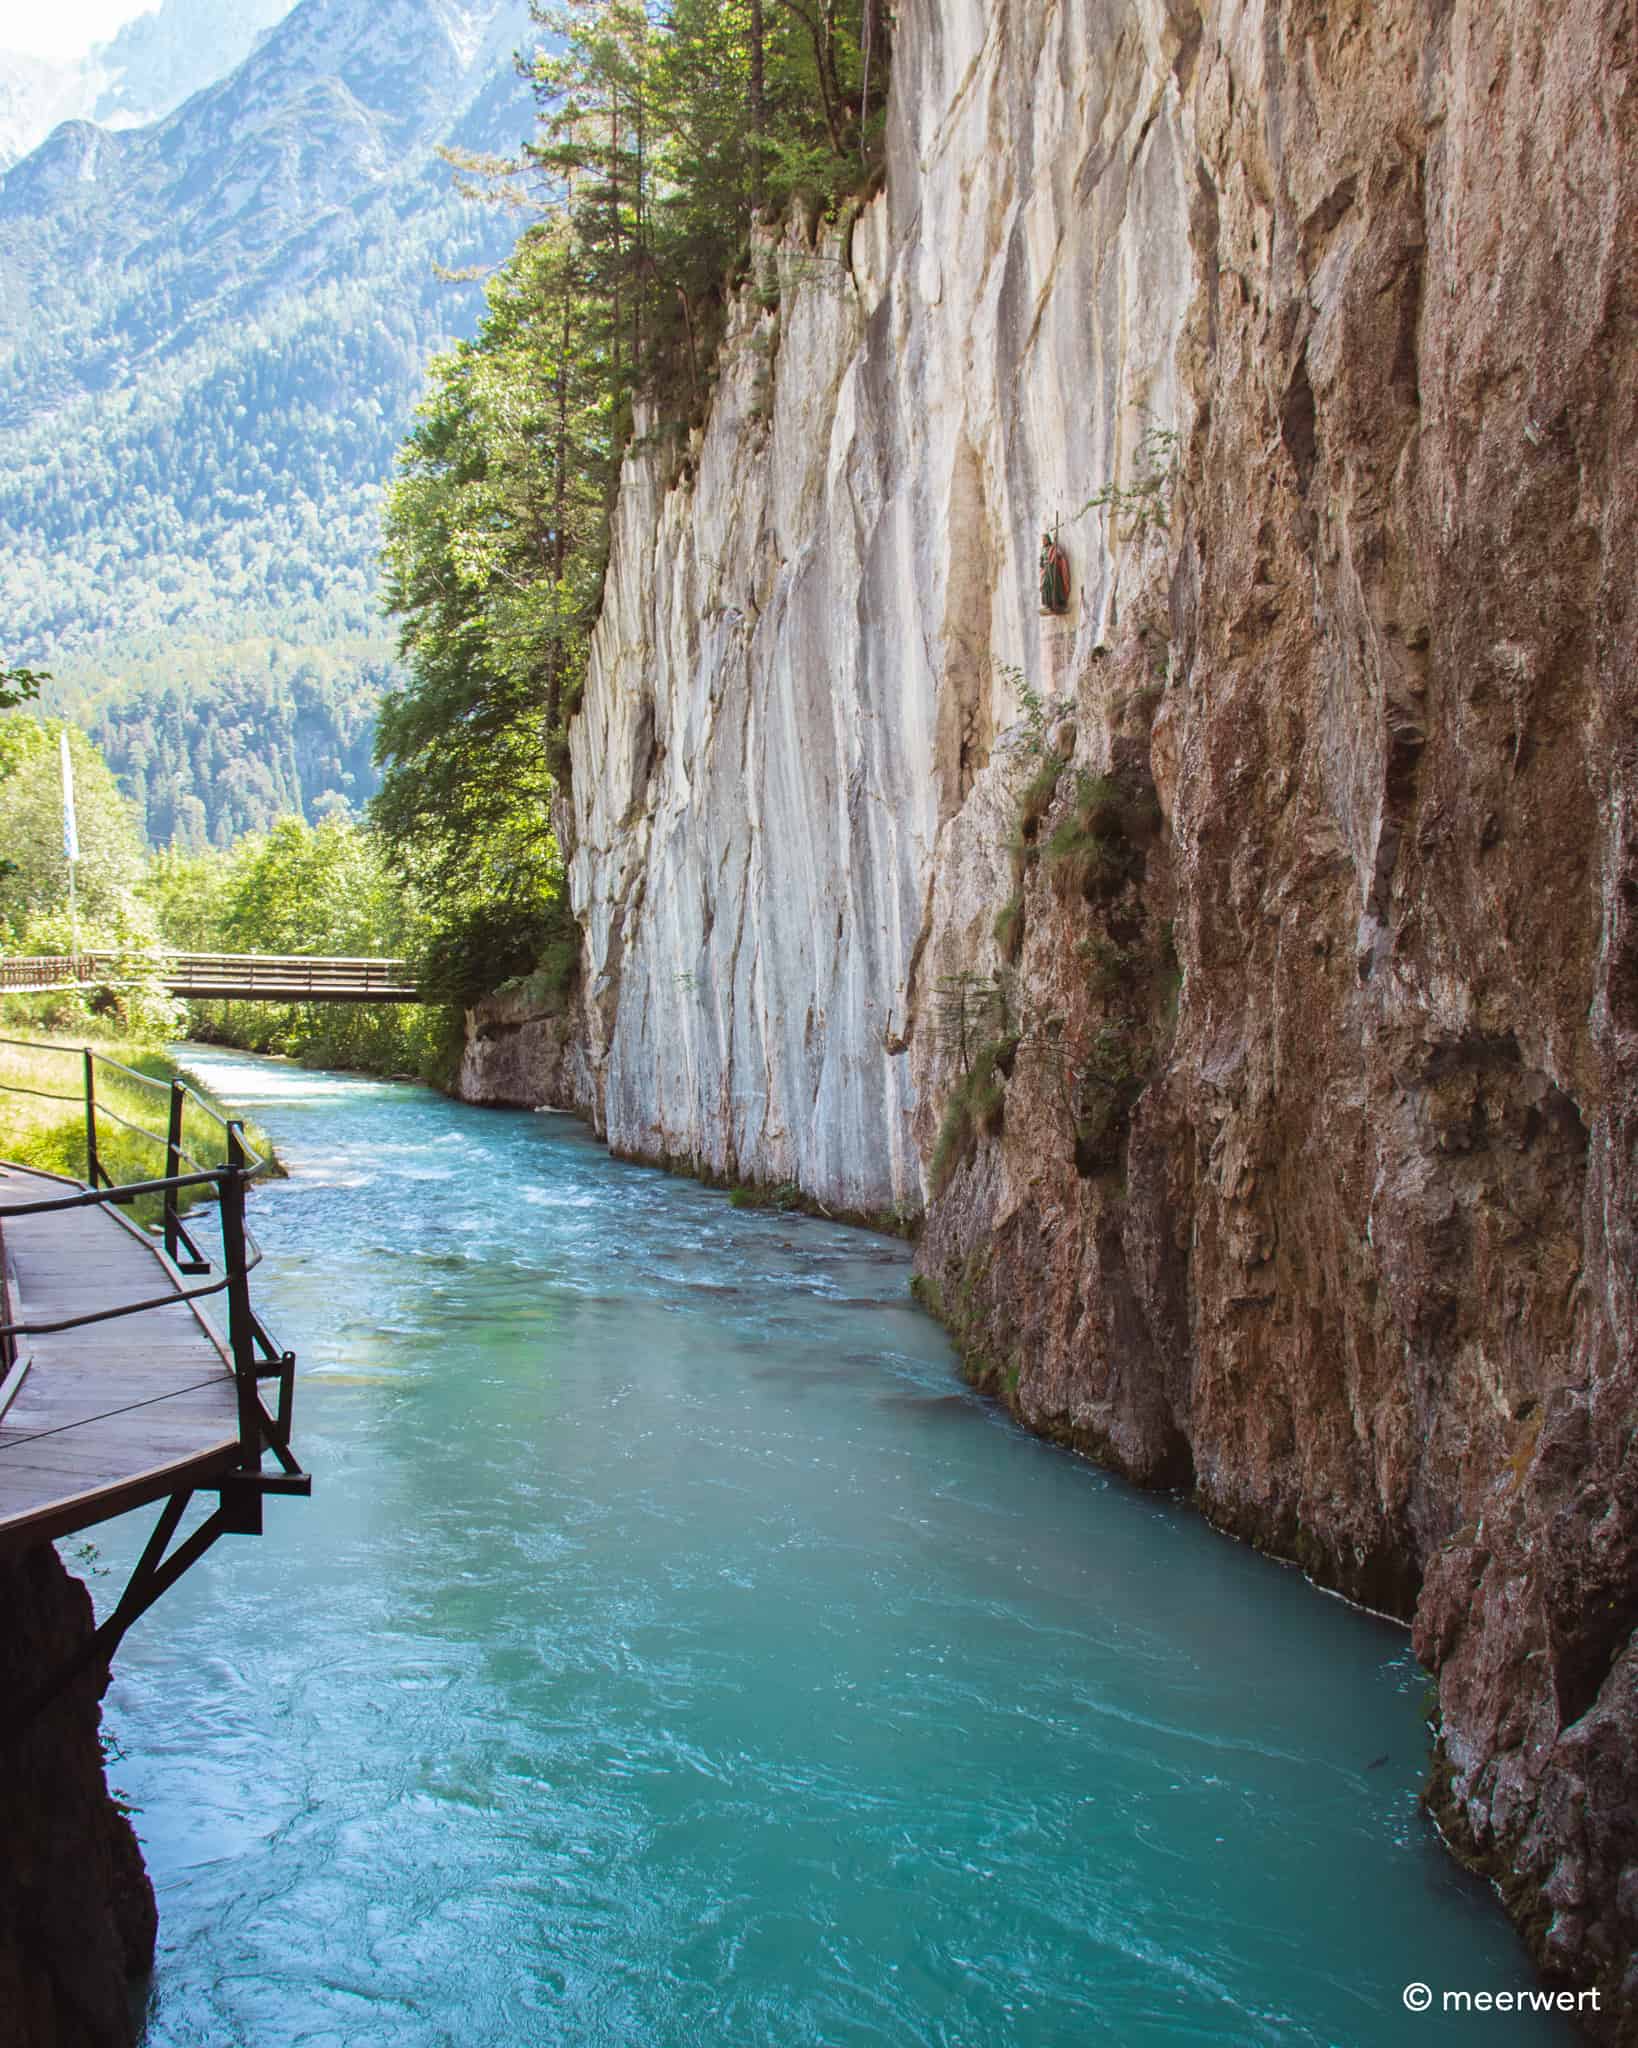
(71,836)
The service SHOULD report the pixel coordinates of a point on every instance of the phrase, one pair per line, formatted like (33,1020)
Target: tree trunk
(560,513)
(868,32)
(614,229)
(759,102)
(822,68)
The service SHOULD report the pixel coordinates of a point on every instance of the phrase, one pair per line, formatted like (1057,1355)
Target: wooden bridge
(219,977)
(115,1389)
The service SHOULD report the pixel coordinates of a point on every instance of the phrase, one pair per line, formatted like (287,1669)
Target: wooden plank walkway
(116,1413)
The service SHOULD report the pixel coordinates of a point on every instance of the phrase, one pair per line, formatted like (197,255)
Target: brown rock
(77,1916)
(520,1052)
(1360,1265)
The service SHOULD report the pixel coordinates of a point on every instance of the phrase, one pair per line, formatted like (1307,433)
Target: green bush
(977,1107)
(1097,846)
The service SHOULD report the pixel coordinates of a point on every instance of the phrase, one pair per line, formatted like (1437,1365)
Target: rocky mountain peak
(146,71)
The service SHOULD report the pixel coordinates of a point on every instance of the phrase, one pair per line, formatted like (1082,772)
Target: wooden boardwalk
(115,1413)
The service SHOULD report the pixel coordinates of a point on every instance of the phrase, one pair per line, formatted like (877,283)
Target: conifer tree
(660,141)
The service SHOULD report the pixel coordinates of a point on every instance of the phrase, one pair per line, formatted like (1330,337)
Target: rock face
(519,1052)
(77,1915)
(1242,967)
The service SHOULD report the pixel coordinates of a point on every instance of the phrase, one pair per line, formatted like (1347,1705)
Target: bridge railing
(266,977)
(47,970)
(287,975)
(254,1355)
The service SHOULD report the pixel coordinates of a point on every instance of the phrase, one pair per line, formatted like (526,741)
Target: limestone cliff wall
(1279,1142)
(803,657)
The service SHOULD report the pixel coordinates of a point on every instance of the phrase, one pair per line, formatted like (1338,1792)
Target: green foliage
(1145,503)
(1097,846)
(35,892)
(665,139)
(194,445)
(109,912)
(976,1108)
(209,353)
(968,1009)
(45,1127)
(17,686)
(226,742)
(1035,799)
(1009,926)
(784,1196)
(495,532)
(1095,1057)
(1111,967)
(494,943)
(659,143)
(1031,742)
(1044,771)
(325,889)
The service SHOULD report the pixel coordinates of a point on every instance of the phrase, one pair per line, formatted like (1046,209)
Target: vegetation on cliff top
(659,144)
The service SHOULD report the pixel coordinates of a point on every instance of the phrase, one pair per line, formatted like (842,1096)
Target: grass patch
(40,1131)
(1096,847)
(1035,798)
(977,1107)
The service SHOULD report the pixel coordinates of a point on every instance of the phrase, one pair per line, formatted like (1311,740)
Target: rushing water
(674,1652)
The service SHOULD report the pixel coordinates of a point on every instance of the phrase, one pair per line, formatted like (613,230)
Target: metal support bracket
(238,1512)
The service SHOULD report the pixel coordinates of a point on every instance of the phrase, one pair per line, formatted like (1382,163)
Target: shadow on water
(648,1670)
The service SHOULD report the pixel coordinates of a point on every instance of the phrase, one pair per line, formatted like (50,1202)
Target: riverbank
(42,1111)
(389,1041)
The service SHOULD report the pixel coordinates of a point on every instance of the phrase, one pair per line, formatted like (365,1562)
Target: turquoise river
(675,1652)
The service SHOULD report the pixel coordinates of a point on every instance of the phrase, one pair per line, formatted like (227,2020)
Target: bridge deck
(114,1414)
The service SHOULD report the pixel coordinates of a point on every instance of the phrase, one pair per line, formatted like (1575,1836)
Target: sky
(64,28)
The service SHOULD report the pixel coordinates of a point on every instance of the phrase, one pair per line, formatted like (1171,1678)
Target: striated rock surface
(820,611)
(519,1050)
(1242,968)
(77,1919)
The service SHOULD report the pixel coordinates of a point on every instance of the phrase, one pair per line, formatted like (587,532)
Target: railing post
(241,1337)
(93,1168)
(173,1166)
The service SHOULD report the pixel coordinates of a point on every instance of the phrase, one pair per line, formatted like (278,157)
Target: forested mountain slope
(212,333)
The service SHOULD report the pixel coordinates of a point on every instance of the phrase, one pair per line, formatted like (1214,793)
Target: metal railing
(253,1354)
(260,977)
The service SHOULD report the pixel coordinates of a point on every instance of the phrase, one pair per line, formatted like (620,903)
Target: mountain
(147,70)
(35,95)
(212,334)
